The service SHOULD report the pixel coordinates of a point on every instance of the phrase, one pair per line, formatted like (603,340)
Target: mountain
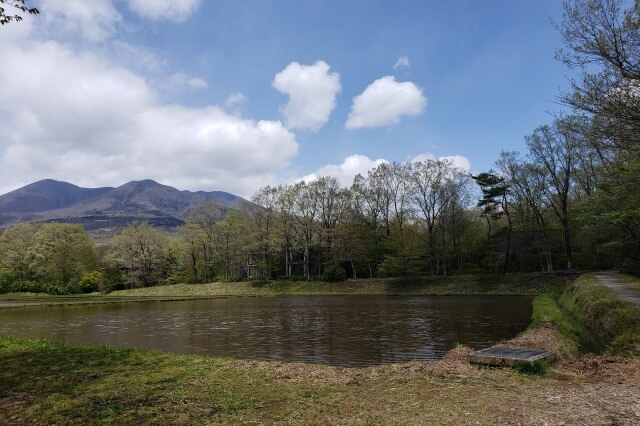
(104,211)
(45,195)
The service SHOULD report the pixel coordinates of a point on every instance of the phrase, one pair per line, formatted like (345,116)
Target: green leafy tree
(49,257)
(611,215)
(495,205)
(64,252)
(199,240)
(145,253)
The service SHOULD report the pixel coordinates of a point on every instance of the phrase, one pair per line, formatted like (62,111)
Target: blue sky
(127,68)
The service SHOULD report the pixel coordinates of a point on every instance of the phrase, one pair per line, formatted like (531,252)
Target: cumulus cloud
(76,116)
(356,164)
(346,171)
(170,10)
(312,94)
(94,20)
(459,161)
(384,102)
(235,98)
(402,62)
(135,57)
(181,81)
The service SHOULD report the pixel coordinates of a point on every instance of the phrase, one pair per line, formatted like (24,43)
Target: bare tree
(333,203)
(434,184)
(602,40)
(263,213)
(553,151)
(527,187)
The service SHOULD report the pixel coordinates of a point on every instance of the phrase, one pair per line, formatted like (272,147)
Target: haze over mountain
(103,211)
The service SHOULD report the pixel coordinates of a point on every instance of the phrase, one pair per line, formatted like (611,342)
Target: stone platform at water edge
(508,356)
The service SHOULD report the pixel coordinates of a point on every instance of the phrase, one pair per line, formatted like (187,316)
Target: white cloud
(384,102)
(94,20)
(356,164)
(135,57)
(235,98)
(80,118)
(171,10)
(459,161)
(402,62)
(180,81)
(312,94)
(346,171)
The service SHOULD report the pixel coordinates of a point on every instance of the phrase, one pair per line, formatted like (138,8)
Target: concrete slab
(509,356)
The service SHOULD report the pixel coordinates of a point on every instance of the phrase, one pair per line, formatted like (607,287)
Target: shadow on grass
(46,367)
(57,383)
(528,284)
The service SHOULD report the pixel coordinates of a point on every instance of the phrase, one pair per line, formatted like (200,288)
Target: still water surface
(337,330)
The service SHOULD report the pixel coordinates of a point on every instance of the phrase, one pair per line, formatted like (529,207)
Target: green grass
(590,318)
(547,311)
(59,383)
(518,284)
(613,323)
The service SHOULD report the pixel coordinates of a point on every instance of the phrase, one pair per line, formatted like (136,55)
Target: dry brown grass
(544,337)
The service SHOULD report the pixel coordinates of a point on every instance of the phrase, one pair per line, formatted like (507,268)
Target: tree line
(570,202)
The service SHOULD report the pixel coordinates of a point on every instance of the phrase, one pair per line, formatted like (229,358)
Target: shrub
(91,281)
(334,274)
(536,368)
(25,286)
(114,279)
(175,278)
(293,278)
(56,288)
(7,278)
(258,283)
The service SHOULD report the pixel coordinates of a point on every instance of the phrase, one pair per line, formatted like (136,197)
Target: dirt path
(609,280)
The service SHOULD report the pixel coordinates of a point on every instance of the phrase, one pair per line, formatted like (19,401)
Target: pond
(335,330)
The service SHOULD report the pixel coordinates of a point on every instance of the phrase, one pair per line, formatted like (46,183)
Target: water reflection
(338,330)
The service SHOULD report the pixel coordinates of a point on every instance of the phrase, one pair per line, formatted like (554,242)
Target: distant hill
(104,211)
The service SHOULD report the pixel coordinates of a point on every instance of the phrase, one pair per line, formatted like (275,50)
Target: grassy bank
(44,382)
(21,300)
(590,318)
(517,284)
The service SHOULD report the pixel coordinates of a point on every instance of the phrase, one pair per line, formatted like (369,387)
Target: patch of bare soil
(593,404)
(604,369)
(10,407)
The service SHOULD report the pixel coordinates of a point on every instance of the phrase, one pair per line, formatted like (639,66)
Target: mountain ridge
(105,210)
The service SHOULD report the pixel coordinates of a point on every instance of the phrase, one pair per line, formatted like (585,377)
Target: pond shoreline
(472,285)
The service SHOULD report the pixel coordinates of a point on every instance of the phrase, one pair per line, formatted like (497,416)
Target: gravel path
(609,279)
